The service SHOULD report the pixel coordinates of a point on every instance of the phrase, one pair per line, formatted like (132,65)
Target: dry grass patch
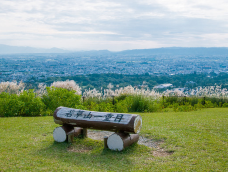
(162,153)
(79,149)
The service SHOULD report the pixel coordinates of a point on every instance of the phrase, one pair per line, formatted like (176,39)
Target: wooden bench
(75,122)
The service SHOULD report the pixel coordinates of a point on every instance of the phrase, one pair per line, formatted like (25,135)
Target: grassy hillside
(189,141)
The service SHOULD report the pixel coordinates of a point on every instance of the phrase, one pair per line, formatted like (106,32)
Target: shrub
(92,106)
(32,104)
(169,101)
(25,104)
(122,106)
(194,100)
(106,107)
(56,97)
(209,104)
(225,105)
(10,105)
(183,108)
(139,103)
(121,97)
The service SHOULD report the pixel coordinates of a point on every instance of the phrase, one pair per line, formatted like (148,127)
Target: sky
(114,25)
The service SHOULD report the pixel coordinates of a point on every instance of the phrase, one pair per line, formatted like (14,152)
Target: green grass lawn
(198,141)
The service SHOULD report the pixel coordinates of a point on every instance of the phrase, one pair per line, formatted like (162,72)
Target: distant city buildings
(161,86)
(35,67)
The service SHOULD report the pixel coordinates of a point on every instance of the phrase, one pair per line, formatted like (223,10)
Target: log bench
(75,122)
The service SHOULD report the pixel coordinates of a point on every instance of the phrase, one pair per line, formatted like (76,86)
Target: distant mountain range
(180,51)
(6,49)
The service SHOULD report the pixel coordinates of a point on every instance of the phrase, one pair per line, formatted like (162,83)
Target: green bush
(106,107)
(122,106)
(196,103)
(225,105)
(183,108)
(121,97)
(139,103)
(193,100)
(92,106)
(209,104)
(28,104)
(169,101)
(155,106)
(32,104)
(10,105)
(56,97)
(25,104)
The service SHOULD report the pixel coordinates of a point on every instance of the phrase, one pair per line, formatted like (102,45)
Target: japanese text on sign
(68,113)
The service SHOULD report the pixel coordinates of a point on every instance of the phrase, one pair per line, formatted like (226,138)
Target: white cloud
(114,25)
(209,9)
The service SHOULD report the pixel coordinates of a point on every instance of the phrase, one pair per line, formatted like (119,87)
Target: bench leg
(70,138)
(84,133)
(119,141)
(105,142)
(60,133)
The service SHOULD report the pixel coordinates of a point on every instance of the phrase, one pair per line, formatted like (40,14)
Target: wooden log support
(60,133)
(116,122)
(70,136)
(74,133)
(105,142)
(66,133)
(84,133)
(78,131)
(119,141)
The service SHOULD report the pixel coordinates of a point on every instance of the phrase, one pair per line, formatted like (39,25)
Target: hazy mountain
(6,49)
(211,51)
(179,51)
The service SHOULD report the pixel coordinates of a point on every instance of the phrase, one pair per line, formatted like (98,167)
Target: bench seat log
(116,122)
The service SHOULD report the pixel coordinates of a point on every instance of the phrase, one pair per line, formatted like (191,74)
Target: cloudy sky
(114,25)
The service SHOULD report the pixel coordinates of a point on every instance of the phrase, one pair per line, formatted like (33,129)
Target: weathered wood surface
(78,131)
(119,141)
(74,133)
(70,136)
(66,132)
(60,133)
(130,123)
(105,142)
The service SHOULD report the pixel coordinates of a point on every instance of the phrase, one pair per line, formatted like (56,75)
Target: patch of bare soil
(161,153)
(149,142)
(81,149)
(98,135)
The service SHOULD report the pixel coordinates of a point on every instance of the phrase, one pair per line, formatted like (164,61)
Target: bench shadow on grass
(91,153)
